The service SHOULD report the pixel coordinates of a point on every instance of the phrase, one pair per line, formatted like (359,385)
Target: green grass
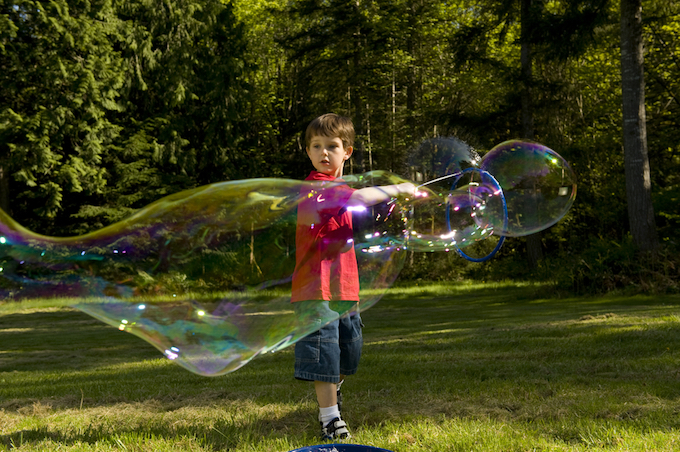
(445,368)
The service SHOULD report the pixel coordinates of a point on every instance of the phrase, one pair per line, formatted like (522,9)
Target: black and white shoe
(334,430)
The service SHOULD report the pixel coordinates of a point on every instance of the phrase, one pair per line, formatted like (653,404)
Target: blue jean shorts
(332,351)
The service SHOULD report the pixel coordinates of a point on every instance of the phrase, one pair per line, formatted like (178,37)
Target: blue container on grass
(340,448)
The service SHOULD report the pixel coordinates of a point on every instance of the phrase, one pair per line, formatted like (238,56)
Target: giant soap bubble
(205,275)
(538,187)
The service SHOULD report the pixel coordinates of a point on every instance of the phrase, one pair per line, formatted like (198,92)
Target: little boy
(326,276)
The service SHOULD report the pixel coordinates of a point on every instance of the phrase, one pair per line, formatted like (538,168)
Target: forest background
(109,105)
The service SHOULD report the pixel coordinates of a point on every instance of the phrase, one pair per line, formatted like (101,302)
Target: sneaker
(335,429)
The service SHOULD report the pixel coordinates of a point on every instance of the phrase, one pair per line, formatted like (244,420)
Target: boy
(326,276)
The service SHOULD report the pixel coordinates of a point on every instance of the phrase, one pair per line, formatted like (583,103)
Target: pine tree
(59,83)
(106,107)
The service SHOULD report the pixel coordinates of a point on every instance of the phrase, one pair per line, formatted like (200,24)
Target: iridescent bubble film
(205,275)
(441,215)
(517,188)
(537,184)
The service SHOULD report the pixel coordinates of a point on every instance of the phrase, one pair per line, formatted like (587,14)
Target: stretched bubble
(205,275)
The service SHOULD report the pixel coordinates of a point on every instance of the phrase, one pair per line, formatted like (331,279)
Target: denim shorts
(332,351)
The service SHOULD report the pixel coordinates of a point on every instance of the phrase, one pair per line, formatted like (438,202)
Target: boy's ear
(348,152)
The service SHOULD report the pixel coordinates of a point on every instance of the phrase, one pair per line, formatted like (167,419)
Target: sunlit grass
(445,368)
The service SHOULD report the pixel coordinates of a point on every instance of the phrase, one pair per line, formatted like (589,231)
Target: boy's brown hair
(331,125)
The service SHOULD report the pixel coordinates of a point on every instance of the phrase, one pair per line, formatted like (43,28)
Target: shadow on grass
(501,352)
(221,434)
(64,340)
(510,354)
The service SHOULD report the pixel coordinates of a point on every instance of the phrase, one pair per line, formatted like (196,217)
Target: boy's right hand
(407,188)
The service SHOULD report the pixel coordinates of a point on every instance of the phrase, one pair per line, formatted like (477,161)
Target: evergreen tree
(183,102)
(109,106)
(60,79)
(366,60)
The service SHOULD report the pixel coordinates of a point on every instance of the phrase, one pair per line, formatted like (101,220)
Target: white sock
(328,414)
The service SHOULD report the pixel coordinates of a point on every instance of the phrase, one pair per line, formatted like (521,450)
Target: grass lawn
(457,367)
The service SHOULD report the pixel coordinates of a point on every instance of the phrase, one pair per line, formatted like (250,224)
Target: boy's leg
(351,341)
(317,358)
(326,393)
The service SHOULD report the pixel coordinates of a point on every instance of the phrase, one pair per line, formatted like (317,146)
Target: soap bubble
(205,275)
(517,188)
(538,185)
(452,215)
(447,169)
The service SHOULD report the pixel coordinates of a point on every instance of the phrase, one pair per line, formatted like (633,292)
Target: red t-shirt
(326,265)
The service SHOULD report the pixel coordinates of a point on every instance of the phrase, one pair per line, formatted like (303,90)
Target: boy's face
(328,154)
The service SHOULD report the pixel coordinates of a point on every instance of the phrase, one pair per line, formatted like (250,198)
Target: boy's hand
(407,188)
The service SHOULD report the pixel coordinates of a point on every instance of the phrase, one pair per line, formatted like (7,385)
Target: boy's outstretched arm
(371,196)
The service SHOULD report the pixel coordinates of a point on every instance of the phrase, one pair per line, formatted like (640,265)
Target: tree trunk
(638,181)
(533,241)
(357,117)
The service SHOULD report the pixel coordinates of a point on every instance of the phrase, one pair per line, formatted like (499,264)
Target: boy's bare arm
(370,196)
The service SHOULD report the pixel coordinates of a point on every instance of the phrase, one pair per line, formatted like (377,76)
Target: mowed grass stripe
(446,367)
